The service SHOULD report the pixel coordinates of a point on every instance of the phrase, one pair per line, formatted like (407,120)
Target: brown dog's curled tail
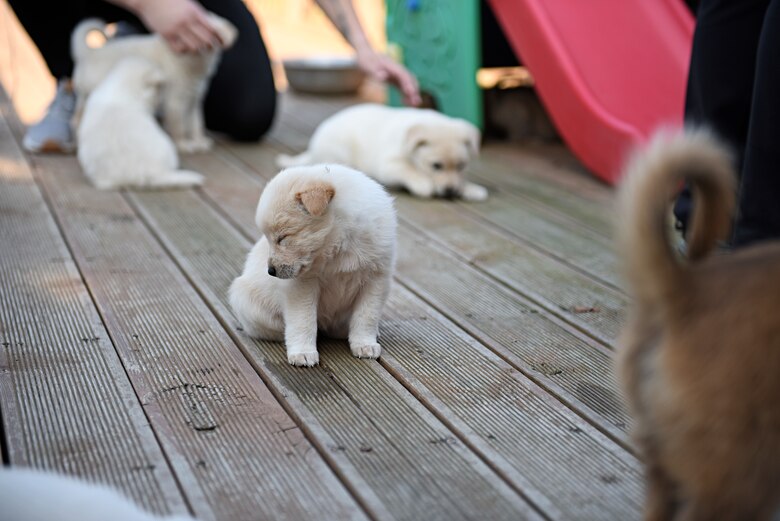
(655,274)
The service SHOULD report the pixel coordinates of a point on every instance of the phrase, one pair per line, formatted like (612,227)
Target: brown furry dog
(700,356)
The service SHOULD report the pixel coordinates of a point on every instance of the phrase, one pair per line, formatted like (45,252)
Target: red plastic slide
(609,72)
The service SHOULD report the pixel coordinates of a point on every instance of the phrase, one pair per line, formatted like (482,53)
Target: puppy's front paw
(303,359)
(421,188)
(472,192)
(366,349)
(190,146)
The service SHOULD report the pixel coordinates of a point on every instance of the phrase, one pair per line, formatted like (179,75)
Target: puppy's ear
(416,136)
(472,137)
(315,198)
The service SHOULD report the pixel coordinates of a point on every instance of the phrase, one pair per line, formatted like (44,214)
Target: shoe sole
(51,147)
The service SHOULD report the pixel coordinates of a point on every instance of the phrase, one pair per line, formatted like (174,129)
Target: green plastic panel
(439,41)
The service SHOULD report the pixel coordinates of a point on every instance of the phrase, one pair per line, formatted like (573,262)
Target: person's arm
(383,68)
(183,23)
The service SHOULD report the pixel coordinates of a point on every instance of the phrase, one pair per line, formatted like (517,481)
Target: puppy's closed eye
(437,165)
(281,238)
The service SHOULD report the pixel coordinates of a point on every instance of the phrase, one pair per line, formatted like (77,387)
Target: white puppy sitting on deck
(421,150)
(120,142)
(324,262)
(186,75)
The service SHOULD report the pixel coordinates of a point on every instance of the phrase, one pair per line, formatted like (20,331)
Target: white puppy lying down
(120,142)
(421,150)
(32,495)
(325,262)
(186,75)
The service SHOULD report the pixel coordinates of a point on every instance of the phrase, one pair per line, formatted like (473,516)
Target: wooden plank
(575,245)
(512,422)
(372,429)
(558,284)
(67,404)
(554,163)
(533,341)
(236,452)
(567,207)
(551,352)
(561,463)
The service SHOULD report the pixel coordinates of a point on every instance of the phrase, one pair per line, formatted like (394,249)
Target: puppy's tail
(303,159)
(656,276)
(78,40)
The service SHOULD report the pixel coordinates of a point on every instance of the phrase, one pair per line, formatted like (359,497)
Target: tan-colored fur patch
(316,198)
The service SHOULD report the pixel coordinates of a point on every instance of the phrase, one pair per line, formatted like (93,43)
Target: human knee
(251,123)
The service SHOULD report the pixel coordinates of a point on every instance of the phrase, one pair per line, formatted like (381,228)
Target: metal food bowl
(324,75)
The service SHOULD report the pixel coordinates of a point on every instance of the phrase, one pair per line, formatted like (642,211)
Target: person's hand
(383,68)
(183,23)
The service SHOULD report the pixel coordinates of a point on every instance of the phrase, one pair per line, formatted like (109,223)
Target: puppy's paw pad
(366,350)
(475,193)
(303,359)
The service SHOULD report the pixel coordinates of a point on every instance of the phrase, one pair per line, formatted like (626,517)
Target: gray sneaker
(54,133)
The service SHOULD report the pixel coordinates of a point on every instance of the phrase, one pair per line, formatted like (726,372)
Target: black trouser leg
(759,198)
(241,100)
(50,24)
(722,72)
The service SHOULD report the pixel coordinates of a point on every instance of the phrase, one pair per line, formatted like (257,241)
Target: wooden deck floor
(493,399)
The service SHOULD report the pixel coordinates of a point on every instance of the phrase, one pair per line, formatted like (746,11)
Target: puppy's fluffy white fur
(32,495)
(330,239)
(120,142)
(186,75)
(421,150)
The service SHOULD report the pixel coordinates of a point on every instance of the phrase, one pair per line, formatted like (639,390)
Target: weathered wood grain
(519,172)
(67,404)
(235,451)
(575,245)
(558,284)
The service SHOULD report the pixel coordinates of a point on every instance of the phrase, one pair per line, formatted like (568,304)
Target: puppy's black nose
(450,193)
(272,271)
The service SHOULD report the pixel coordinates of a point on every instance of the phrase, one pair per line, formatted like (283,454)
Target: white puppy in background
(33,495)
(120,142)
(186,75)
(325,262)
(421,150)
